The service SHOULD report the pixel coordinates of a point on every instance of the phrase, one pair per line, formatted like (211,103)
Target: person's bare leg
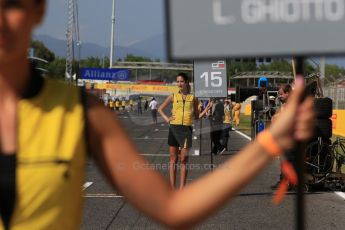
(172,165)
(184,170)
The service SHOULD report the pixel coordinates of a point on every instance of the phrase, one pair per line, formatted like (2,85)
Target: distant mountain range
(153,47)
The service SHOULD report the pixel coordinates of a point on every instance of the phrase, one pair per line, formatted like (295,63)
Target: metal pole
(211,124)
(200,136)
(293,67)
(300,163)
(112,35)
(322,67)
(322,74)
(150,74)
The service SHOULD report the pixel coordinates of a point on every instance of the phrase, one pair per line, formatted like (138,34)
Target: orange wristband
(266,140)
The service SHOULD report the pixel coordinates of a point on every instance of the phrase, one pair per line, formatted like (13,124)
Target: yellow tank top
(117,104)
(51,159)
(182,109)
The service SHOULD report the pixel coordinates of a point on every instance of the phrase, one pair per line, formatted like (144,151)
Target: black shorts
(180,136)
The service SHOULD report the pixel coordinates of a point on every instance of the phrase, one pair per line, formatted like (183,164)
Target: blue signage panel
(105,74)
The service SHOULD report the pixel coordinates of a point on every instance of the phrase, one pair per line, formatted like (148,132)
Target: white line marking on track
(100,195)
(150,138)
(86,185)
(162,155)
(243,135)
(154,155)
(341,194)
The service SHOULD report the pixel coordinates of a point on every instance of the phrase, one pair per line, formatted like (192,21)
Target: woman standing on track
(46,127)
(180,129)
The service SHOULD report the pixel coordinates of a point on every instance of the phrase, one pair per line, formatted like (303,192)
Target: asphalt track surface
(251,209)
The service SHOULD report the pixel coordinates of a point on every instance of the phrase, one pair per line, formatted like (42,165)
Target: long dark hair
(186,79)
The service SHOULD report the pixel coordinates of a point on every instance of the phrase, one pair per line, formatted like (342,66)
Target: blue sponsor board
(105,74)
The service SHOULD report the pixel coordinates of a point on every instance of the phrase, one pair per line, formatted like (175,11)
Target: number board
(245,28)
(210,78)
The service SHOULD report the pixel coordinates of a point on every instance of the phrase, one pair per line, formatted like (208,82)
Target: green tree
(41,51)
(57,68)
(236,67)
(91,62)
(309,68)
(133,58)
(333,73)
(105,62)
(280,66)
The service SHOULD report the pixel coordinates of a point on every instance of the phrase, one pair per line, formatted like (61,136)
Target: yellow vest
(227,116)
(182,109)
(51,159)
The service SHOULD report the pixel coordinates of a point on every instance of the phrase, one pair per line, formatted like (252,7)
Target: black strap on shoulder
(35,84)
(7,187)
(85,104)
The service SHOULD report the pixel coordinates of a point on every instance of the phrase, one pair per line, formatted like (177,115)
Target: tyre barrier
(323,107)
(257,105)
(323,128)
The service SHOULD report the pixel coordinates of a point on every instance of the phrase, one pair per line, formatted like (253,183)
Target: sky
(135,20)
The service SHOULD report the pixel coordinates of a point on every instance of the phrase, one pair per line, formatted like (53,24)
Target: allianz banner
(105,74)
